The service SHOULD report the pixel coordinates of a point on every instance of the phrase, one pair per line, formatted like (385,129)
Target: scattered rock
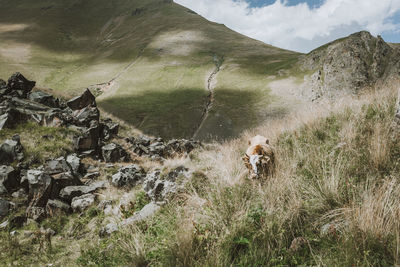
(81,203)
(56,166)
(88,140)
(75,163)
(44,98)
(109,229)
(82,101)
(40,187)
(11,150)
(146,212)
(4,208)
(9,179)
(114,153)
(128,176)
(19,84)
(109,129)
(70,192)
(56,207)
(21,193)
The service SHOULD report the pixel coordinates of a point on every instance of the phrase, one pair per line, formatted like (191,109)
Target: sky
(302,25)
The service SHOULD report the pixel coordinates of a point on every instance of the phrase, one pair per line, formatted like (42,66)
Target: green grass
(41,143)
(71,45)
(329,170)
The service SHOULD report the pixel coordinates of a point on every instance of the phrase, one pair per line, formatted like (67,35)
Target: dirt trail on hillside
(109,88)
(210,85)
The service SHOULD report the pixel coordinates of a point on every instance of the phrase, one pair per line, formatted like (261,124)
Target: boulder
(4,208)
(18,83)
(69,192)
(88,140)
(56,207)
(11,150)
(82,101)
(40,187)
(128,176)
(146,212)
(108,229)
(83,202)
(114,153)
(109,129)
(75,163)
(56,166)
(9,178)
(84,116)
(44,98)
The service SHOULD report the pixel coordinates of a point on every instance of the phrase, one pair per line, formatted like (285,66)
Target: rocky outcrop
(114,153)
(128,176)
(347,65)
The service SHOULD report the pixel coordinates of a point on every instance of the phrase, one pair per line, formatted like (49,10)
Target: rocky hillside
(350,64)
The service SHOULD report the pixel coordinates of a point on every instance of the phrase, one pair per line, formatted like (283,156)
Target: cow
(260,158)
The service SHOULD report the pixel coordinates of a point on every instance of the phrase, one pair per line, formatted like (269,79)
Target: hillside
(152,59)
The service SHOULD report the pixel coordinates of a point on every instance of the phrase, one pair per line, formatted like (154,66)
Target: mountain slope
(151,58)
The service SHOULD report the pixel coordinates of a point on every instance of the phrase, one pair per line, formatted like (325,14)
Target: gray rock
(9,179)
(4,208)
(128,176)
(109,129)
(4,225)
(56,166)
(75,163)
(146,212)
(70,192)
(84,116)
(88,140)
(83,202)
(114,153)
(40,187)
(20,194)
(82,101)
(11,150)
(17,82)
(56,207)
(44,98)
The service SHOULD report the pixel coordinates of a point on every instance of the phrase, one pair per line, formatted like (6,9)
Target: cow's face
(256,161)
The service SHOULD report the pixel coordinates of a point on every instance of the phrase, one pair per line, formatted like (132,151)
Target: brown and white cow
(260,157)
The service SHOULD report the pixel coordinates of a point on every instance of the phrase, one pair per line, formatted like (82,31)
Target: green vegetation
(41,143)
(161,54)
(337,188)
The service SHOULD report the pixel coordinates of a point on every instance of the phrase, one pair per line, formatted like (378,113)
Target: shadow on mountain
(176,114)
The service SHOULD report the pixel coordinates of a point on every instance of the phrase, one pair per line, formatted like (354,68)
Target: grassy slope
(68,45)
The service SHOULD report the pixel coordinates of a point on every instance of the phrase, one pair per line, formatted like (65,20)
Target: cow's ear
(249,142)
(267,141)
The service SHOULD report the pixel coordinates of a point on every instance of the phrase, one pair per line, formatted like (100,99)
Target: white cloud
(300,27)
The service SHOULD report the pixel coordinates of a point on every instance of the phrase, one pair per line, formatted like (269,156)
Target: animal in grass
(260,158)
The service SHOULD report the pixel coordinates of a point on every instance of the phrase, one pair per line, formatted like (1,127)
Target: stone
(75,163)
(128,176)
(88,140)
(69,192)
(9,178)
(56,166)
(146,212)
(21,193)
(44,98)
(17,82)
(109,129)
(11,150)
(84,116)
(56,207)
(4,225)
(61,181)
(83,202)
(4,208)
(82,101)
(114,153)
(40,187)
